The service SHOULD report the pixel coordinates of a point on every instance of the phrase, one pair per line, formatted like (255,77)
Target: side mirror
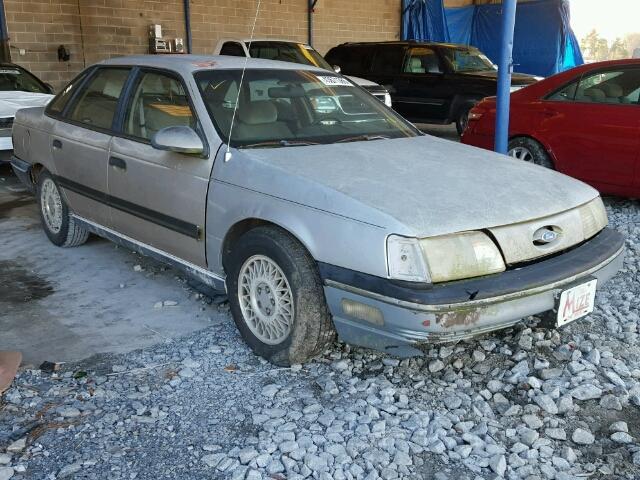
(178,139)
(336,68)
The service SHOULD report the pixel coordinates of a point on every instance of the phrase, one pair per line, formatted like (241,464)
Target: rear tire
(57,221)
(276,297)
(528,150)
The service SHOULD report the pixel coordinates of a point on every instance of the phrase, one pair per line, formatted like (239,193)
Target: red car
(584,122)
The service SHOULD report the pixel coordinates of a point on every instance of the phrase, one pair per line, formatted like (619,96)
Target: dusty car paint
(341,201)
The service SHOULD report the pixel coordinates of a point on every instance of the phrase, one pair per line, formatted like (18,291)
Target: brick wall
(93,30)
(38,27)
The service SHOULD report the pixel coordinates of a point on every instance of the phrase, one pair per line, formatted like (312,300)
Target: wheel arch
(243,226)
(546,147)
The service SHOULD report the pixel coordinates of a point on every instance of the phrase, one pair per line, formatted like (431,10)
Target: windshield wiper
(361,138)
(280,143)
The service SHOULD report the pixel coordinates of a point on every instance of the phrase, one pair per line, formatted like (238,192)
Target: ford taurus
(313,205)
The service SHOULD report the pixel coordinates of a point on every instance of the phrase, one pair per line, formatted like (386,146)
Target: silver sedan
(314,206)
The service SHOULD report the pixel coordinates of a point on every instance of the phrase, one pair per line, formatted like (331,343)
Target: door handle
(118,163)
(549,112)
(57,144)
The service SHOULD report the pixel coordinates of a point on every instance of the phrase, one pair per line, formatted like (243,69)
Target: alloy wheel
(51,205)
(266,299)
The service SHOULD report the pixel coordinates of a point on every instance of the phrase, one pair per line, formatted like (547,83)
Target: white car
(295,52)
(18,89)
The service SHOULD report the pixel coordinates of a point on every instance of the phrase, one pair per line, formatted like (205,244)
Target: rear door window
(388,59)
(98,101)
(352,59)
(159,101)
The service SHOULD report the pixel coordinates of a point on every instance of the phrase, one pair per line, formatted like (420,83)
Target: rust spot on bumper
(459,318)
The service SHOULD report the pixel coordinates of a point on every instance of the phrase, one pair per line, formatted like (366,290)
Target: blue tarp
(544,43)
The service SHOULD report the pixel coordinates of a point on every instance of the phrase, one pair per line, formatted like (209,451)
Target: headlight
(594,217)
(405,260)
(387,100)
(462,255)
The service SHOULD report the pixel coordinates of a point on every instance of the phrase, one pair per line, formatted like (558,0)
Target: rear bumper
(22,170)
(409,319)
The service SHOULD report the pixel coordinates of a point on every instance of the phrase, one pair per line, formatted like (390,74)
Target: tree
(633,42)
(618,50)
(594,47)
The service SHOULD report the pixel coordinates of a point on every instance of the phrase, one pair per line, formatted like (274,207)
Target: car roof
(187,64)
(410,42)
(275,40)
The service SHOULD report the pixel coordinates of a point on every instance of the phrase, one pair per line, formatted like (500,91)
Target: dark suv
(428,82)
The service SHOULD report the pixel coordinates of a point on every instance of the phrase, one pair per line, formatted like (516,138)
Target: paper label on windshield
(334,81)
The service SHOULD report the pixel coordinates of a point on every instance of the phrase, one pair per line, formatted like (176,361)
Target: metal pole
(310,7)
(505,69)
(5,53)
(187,23)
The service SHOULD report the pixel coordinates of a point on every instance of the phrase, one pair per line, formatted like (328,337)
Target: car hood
(516,78)
(363,82)
(422,186)
(12,101)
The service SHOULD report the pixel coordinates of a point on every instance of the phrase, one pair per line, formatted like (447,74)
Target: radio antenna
(227,155)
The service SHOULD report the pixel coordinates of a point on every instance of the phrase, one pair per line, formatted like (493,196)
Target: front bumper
(410,317)
(6,148)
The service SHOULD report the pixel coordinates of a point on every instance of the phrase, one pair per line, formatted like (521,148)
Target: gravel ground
(524,403)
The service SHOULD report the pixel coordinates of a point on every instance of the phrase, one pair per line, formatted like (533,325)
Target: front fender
(328,237)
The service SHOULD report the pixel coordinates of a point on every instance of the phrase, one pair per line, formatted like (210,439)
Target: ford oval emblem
(546,235)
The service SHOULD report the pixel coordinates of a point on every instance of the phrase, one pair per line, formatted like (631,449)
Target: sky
(611,18)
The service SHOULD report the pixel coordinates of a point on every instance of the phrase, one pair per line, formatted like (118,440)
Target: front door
(80,141)
(593,127)
(159,197)
(419,92)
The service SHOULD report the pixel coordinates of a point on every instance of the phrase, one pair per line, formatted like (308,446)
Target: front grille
(6,122)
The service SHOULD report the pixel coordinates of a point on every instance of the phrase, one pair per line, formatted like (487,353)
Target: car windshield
(288,52)
(17,79)
(467,60)
(281,108)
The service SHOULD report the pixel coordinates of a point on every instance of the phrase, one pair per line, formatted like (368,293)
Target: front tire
(463,119)
(57,222)
(276,297)
(528,150)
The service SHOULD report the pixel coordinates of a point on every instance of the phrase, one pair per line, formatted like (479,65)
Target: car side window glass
(56,106)
(610,87)
(351,60)
(565,94)
(159,101)
(422,60)
(233,49)
(99,99)
(387,60)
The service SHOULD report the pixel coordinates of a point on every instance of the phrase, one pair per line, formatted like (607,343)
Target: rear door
(386,70)
(80,141)
(159,197)
(593,127)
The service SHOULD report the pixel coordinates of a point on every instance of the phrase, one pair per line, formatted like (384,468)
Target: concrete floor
(62,305)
